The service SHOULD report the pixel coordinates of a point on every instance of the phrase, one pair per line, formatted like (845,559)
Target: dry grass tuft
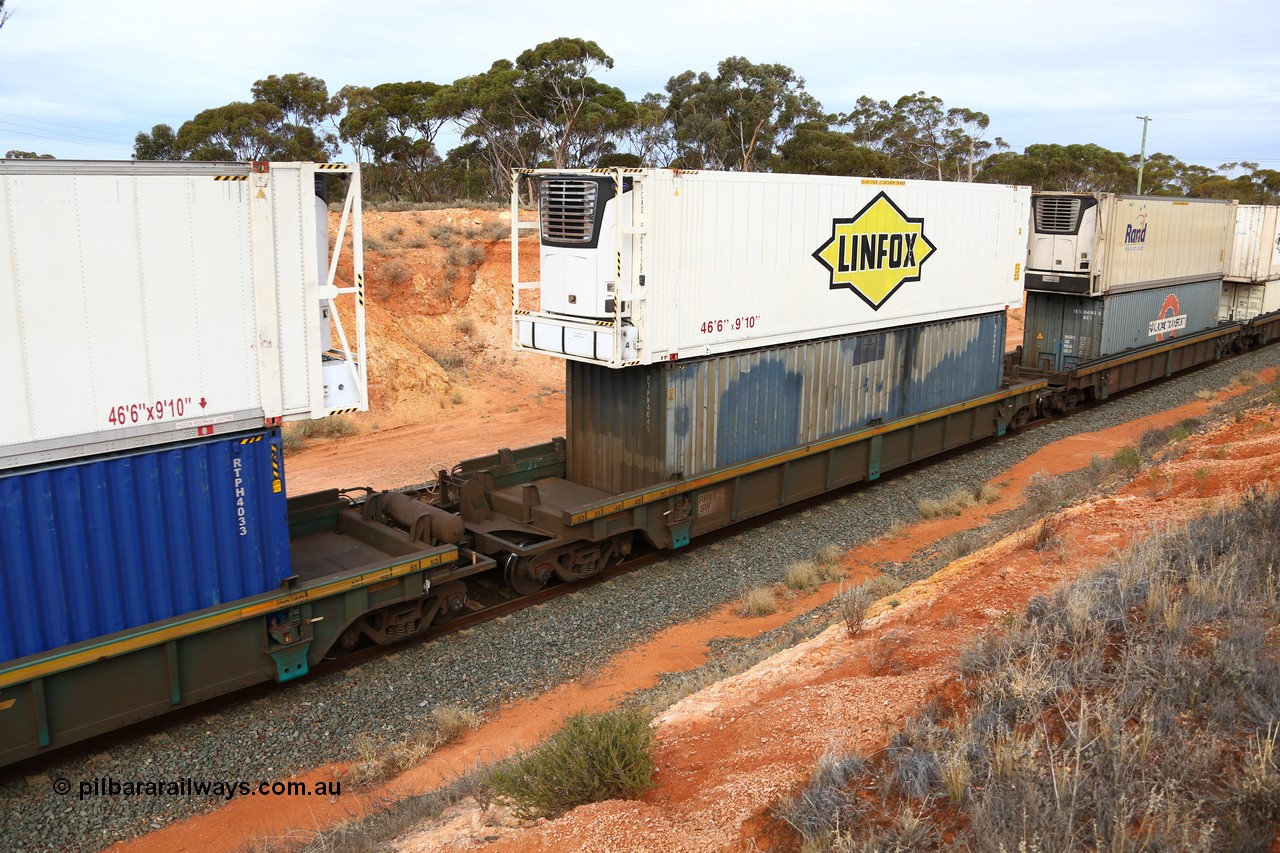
(759,601)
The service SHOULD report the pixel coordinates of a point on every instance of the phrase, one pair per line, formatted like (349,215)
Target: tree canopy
(548,107)
(282,122)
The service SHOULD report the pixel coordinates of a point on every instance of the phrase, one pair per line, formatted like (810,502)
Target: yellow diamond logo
(876,251)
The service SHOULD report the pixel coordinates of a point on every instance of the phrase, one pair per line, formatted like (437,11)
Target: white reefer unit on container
(1252,284)
(640,266)
(1093,244)
(148,302)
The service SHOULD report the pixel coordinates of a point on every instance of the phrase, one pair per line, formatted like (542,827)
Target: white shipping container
(149,302)
(1241,301)
(1255,255)
(1093,244)
(640,266)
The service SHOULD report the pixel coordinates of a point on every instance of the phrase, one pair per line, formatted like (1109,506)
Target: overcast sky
(80,79)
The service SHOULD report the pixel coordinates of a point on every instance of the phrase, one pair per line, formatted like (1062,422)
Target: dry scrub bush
(759,601)
(802,576)
(396,272)
(953,504)
(855,601)
(1134,709)
(591,758)
(376,761)
(445,235)
(829,801)
(299,434)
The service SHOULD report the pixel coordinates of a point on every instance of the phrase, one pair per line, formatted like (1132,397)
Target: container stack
(166,318)
(711,318)
(1109,273)
(1252,283)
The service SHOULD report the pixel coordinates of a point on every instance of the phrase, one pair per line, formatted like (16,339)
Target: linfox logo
(876,251)
(1136,232)
(1169,321)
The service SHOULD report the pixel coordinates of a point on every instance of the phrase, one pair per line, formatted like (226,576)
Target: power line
(59,124)
(10,125)
(66,141)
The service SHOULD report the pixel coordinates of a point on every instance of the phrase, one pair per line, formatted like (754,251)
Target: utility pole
(1142,158)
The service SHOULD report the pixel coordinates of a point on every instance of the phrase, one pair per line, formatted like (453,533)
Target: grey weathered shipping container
(1063,330)
(632,428)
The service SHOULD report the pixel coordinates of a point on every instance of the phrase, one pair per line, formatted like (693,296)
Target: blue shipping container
(116,542)
(1064,330)
(647,424)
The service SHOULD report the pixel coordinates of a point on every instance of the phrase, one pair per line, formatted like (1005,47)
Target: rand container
(1063,330)
(1093,244)
(143,303)
(640,266)
(93,547)
(628,429)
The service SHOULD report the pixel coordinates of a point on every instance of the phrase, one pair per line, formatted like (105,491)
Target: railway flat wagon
(643,266)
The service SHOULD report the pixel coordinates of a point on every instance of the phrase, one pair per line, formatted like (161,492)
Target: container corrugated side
(1063,330)
(632,428)
(1255,256)
(117,542)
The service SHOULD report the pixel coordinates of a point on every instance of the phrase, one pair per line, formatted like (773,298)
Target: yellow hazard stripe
(231,177)
(360,289)
(333,167)
(277,484)
(341,412)
(202,624)
(253,440)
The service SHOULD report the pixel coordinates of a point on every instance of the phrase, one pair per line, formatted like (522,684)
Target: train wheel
(450,602)
(527,576)
(1021,418)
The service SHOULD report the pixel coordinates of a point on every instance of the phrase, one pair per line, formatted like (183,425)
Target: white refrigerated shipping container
(1093,244)
(1255,255)
(640,266)
(148,302)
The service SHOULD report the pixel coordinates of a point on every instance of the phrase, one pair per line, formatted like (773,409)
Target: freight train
(733,344)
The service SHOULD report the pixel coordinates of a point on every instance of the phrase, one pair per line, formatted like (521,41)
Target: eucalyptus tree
(924,137)
(545,107)
(1069,168)
(395,126)
(815,149)
(284,121)
(738,118)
